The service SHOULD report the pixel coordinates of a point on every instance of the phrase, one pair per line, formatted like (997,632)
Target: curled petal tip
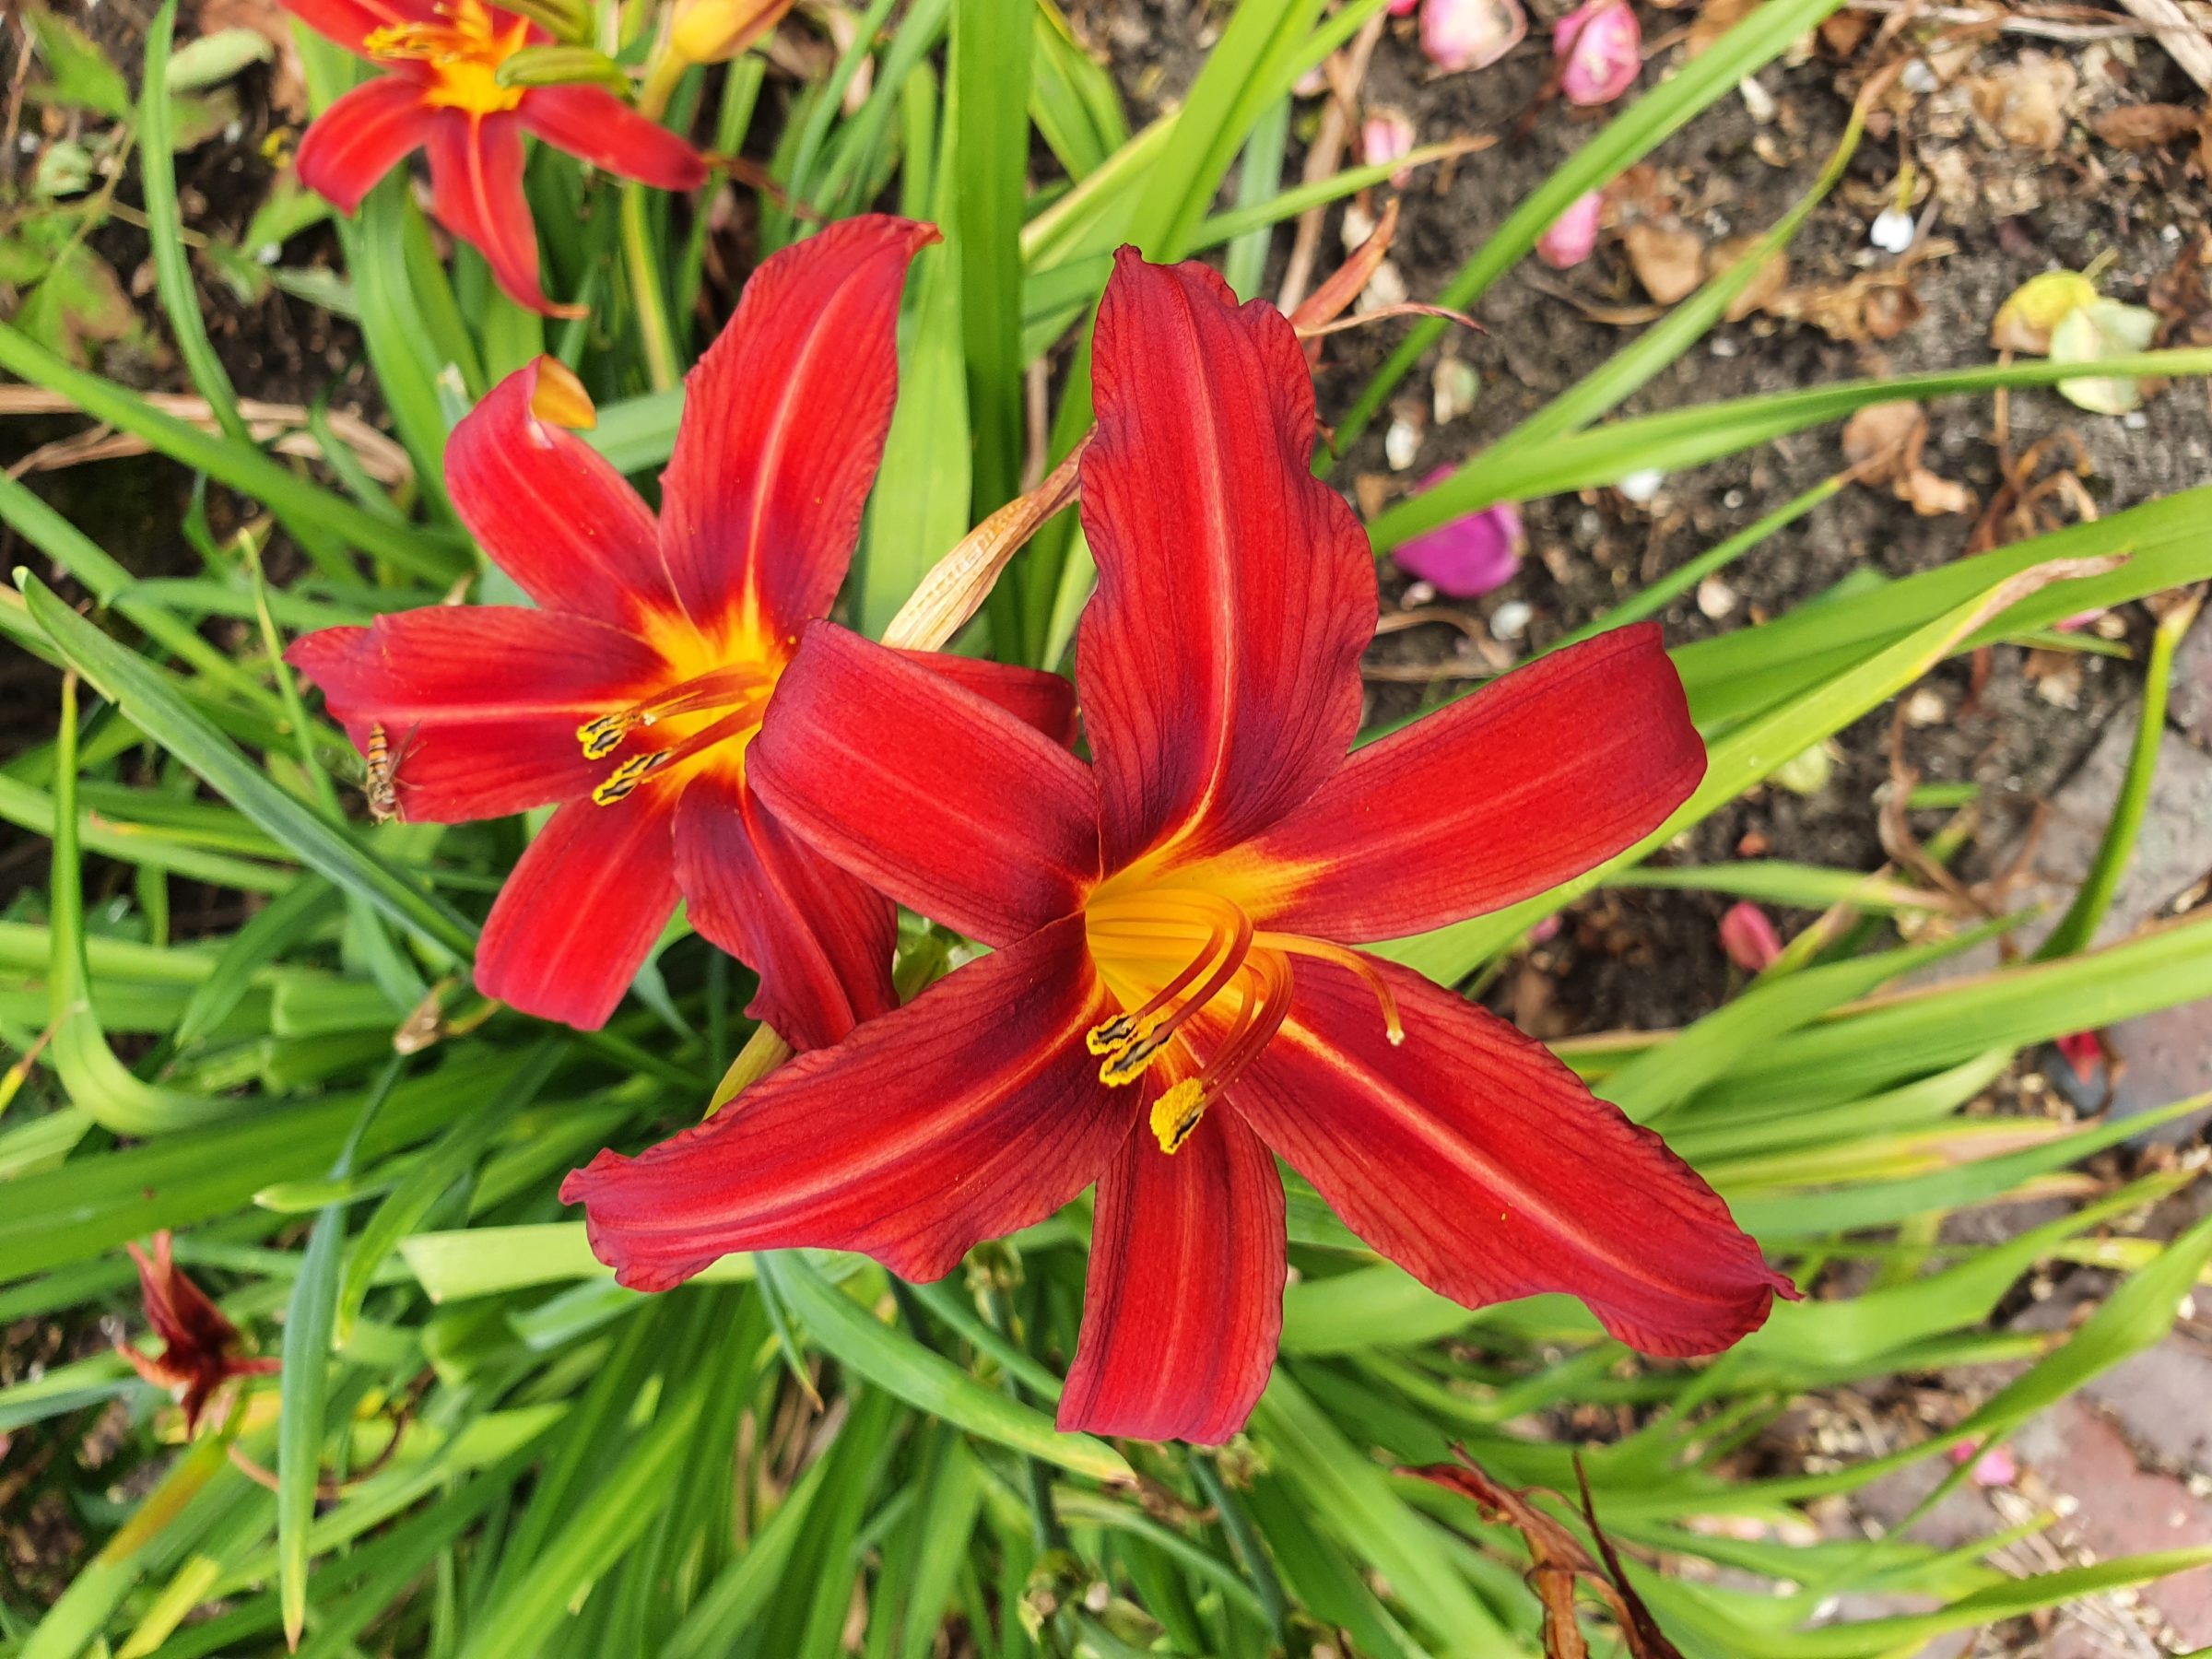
(558,397)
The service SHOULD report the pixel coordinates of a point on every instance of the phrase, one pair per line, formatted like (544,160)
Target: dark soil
(2000,215)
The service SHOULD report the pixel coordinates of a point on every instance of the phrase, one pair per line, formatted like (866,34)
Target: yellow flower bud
(707,32)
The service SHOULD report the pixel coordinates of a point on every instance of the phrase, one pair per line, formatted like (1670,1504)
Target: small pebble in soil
(1925,707)
(1715,598)
(1892,230)
(1917,77)
(1641,485)
(1511,620)
(1401,444)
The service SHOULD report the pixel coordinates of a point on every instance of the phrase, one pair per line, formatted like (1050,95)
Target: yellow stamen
(1177,1113)
(627,777)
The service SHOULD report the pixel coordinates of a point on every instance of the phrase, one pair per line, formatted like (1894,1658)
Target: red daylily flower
(629,696)
(439,88)
(199,1347)
(1170,996)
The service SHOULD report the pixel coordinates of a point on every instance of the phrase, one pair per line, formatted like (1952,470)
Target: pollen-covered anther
(600,737)
(627,777)
(1177,1113)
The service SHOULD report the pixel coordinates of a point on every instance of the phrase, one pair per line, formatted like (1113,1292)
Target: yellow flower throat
(464,53)
(1172,953)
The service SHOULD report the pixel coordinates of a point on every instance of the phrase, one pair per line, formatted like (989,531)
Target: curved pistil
(1210,948)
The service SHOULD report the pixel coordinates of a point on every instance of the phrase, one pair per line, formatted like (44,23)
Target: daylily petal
(579,915)
(1185,1301)
(551,511)
(593,124)
(970,1112)
(784,424)
(477,193)
(1536,778)
(820,939)
(349,22)
(1218,661)
(1031,695)
(481,702)
(360,138)
(924,790)
(1480,1164)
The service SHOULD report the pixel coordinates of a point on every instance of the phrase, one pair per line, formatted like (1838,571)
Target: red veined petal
(1033,696)
(552,512)
(1537,778)
(971,1111)
(1184,1299)
(579,915)
(360,138)
(477,193)
(1218,661)
(593,124)
(349,22)
(1480,1164)
(820,939)
(784,424)
(925,791)
(479,704)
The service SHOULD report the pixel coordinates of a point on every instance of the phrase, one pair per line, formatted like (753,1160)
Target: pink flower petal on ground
(1599,45)
(1748,936)
(1995,1467)
(1470,34)
(1384,136)
(1573,235)
(1468,557)
(1403,8)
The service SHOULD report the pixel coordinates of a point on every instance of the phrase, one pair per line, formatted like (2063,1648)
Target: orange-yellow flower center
(463,53)
(1171,953)
(716,705)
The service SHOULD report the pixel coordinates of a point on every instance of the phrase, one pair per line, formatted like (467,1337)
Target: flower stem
(645,289)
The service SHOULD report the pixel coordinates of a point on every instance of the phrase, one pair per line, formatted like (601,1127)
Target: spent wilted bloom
(1470,34)
(200,1348)
(627,697)
(1599,46)
(1173,996)
(1569,239)
(1747,936)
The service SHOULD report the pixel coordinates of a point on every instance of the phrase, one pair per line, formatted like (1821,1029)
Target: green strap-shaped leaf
(149,705)
(931,1383)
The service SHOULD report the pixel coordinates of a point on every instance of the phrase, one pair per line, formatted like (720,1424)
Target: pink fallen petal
(1599,46)
(1386,136)
(1470,34)
(2078,621)
(1748,936)
(1571,237)
(1468,557)
(1995,1467)
(1403,8)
